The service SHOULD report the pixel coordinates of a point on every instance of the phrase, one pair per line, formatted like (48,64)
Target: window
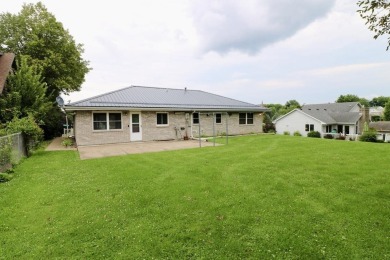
(245,118)
(115,120)
(107,121)
(309,127)
(218,118)
(162,118)
(195,118)
(328,128)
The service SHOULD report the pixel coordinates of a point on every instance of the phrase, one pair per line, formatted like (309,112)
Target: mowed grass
(259,197)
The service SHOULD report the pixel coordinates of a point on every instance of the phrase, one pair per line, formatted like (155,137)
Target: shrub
(286,133)
(67,142)
(368,136)
(5,153)
(341,137)
(328,136)
(297,133)
(4,177)
(29,128)
(269,128)
(314,134)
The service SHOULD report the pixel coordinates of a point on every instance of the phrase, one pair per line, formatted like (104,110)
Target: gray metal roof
(333,113)
(139,97)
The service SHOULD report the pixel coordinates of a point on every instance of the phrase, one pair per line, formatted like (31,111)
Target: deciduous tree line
(48,62)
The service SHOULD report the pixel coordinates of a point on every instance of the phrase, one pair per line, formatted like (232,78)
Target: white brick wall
(85,135)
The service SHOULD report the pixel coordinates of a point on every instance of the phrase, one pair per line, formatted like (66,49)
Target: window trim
(246,118)
(220,118)
(107,121)
(195,118)
(309,127)
(161,125)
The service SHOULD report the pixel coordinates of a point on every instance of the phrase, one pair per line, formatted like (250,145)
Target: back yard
(258,197)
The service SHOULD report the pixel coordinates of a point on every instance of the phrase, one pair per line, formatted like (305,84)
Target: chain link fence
(12,150)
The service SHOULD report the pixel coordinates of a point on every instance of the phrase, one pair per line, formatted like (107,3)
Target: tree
(289,106)
(24,94)
(36,33)
(277,110)
(379,101)
(377,16)
(292,104)
(352,98)
(386,112)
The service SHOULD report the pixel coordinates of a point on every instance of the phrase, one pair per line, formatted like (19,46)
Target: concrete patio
(99,151)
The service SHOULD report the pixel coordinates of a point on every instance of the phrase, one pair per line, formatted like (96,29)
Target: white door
(135,127)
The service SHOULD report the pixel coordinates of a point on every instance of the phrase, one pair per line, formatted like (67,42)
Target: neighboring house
(376,113)
(339,118)
(146,113)
(383,129)
(6,60)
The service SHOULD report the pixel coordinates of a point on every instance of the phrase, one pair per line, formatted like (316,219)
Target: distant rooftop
(141,97)
(6,60)
(333,112)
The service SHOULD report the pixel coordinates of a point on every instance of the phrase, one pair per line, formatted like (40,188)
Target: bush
(29,128)
(269,128)
(297,133)
(314,134)
(341,137)
(286,133)
(4,177)
(328,136)
(368,136)
(5,153)
(67,142)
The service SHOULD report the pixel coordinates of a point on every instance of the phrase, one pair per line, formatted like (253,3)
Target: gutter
(244,109)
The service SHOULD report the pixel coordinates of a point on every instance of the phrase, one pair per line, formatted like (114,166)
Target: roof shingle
(332,113)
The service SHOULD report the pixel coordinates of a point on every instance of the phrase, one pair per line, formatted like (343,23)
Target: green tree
(379,101)
(36,33)
(352,98)
(274,111)
(386,112)
(377,16)
(24,94)
(277,110)
(292,104)
(289,106)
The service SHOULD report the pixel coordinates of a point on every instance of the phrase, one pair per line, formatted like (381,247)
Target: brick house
(139,113)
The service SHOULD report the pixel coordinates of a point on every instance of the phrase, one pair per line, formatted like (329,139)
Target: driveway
(98,151)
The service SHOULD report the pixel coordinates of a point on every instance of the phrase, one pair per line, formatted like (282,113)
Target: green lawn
(259,197)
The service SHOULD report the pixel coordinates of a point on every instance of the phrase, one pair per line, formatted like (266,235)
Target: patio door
(135,126)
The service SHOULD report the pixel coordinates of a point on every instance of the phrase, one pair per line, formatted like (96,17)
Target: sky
(257,51)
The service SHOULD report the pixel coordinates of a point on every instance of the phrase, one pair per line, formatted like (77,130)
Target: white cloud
(308,50)
(250,25)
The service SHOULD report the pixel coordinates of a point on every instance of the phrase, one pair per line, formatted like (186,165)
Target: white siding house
(297,120)
(331,118)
